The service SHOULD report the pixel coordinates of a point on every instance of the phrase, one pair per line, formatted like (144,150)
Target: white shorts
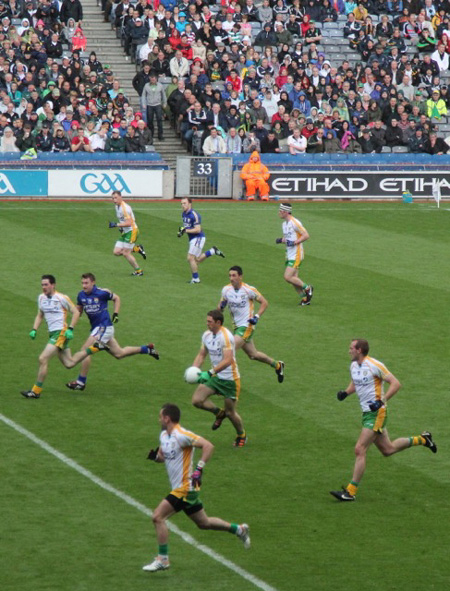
(196,246)
(103,333)
(124,245)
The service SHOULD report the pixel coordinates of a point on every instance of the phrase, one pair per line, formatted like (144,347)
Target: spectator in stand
(44,139)
(436,107)
(71,9)
(60,141)
(315,143)
(115,143)
(270,145)
(196,123)
(179,65)
(80,143)
(8,141)
(251,143)
(331,143)
(214,144)
(134,142)
(418,143)
(436,145)
(154,101)
(394,135)
(368,143)
(233,142)
(297,143)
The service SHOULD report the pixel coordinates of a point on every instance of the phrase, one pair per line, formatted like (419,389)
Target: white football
(191,374)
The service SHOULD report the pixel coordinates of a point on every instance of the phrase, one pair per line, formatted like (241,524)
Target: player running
(94,301)
(367,377)
(54,307)
(240,298)
(130,232)
(223,378)
(294,234)
(192,227)
(176,449)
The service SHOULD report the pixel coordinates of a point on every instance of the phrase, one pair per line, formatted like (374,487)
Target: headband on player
(286,207)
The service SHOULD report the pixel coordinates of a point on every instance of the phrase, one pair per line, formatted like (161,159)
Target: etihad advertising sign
(356,185)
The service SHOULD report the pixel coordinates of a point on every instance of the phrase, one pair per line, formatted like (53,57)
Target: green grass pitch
(380,271)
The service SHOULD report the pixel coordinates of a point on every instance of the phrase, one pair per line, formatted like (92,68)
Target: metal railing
(207,176)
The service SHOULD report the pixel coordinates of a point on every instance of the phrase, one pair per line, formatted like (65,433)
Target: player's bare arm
(76,316)
(263,303)
(127,222)
(350,388)
(207,448)
(195,230)
(394,386)
(38,320)
(303,237)
(226,361)
(201,356)
(116,300)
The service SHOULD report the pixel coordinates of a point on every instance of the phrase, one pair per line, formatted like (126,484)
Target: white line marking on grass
(137,505)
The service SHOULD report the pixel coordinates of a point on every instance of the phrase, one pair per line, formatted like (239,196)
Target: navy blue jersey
(191,219)
(95,304)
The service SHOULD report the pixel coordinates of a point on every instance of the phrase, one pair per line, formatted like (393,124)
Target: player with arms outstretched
(176,449)
(130,232)
(367,377)
(55,307)
(223,378)
(192,227)
(94,301)
(294,235)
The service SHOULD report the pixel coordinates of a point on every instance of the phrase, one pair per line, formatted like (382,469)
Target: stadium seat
(399,149)
(386,150)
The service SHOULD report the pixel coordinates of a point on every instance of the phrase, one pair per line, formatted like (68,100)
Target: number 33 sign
(204,167)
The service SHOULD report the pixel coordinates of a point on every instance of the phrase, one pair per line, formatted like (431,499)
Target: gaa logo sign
(5,185)
(104,183)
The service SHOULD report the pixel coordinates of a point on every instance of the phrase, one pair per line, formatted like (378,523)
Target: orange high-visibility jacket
(255,170)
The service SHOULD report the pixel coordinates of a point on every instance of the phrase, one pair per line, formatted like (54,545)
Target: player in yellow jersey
(240,297)
(223,378)
(129,233)
(176,449)
(294,235)
(367,377)
(55,307)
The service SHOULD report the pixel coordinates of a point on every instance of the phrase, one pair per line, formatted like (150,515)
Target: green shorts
(292,263)
(190,503)
(129,237)
(245,332)
(226,388)
(57,338)
(375,421)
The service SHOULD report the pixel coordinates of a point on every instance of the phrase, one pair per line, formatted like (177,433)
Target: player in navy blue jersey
(192,227)
(94,301)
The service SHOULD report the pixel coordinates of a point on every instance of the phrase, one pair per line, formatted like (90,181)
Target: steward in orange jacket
(255,175)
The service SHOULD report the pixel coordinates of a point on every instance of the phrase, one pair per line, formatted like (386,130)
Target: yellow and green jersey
(368,379)
(216,345)
(178,457)
(55,309)
(240,302)
(123,212)
(292,230)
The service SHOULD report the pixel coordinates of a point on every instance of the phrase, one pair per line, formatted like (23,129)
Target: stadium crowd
(232,77)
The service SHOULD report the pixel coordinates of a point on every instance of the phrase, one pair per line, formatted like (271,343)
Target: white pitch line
(137,505)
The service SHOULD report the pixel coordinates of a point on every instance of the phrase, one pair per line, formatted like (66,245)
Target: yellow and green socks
(353,487)
(416,440)
(37,388)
